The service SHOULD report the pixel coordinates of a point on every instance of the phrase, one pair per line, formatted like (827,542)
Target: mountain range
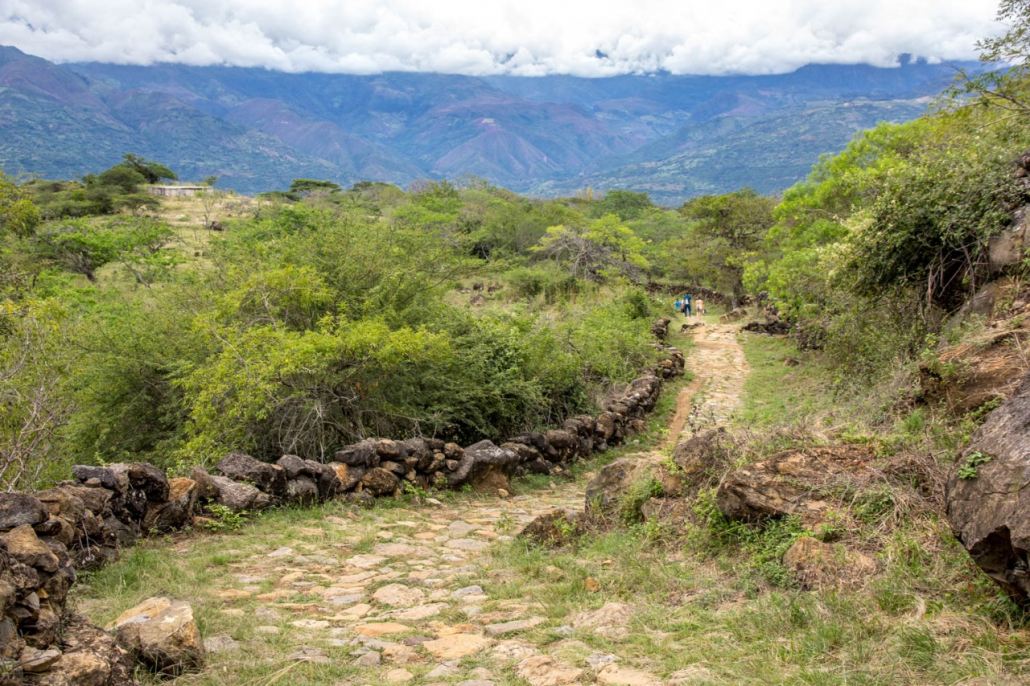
(675,137)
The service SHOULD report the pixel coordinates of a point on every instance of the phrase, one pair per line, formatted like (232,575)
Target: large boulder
(627,483)
(361,454)
(239,496)
(206,488)
(270,478)
(302,490)
(162,634)
(18,509)
(554,529)
(817,565)
(177,512)
(149,479)
(988,495)
(25,547)
(380,482)
(104,477)
(478,460)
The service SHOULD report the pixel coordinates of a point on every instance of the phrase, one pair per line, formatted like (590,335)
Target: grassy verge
(785,385)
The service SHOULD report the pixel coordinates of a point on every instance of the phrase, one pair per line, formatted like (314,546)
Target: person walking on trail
(699,307)
(686,305)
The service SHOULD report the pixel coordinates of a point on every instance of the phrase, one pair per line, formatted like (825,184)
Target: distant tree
(729,230)
(1007,89)
(209,181)
(17,212)
(121,177)
(626,204)
(152,172)
(307,187)
(604,248)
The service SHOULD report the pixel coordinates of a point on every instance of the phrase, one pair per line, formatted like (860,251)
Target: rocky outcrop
(988,496)
(772,326)
(793,482)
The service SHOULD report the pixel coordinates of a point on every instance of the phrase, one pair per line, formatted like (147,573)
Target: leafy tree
(625,204)
(603,248)
(18,214)
(152,172)
(1007,89)
(121,177)
(727,235)
(307,187)
(76,246)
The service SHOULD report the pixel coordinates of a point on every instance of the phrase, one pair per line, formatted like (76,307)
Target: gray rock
(239,496)
(270,478)
(206,488)
(293,466)
(17,509)
(302,490)
(361,454)
(988,496)
(222,643)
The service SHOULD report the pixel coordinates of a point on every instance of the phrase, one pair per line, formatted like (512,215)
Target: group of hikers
(689,307)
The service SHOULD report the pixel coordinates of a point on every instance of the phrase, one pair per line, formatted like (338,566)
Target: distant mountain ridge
(673,136)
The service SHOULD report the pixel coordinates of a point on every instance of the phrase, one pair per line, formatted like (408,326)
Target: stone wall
(82,523)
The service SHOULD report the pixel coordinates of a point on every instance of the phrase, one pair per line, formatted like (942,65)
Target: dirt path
(719,367)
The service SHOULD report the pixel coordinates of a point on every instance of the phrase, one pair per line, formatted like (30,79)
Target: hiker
(678,305)
(699,307)
(686,305)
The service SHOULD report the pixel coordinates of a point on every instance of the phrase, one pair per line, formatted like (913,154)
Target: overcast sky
(522,37)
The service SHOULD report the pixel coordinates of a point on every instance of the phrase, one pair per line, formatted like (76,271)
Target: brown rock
(456,646)
(90,658)
(794,482)
(206,488)
(25,547)
(269,478)
(544,670)
(177,512)
(554,529)
(818,565)
(162,634)
(380,482)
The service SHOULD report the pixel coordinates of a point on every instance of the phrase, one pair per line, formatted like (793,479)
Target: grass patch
(775,393)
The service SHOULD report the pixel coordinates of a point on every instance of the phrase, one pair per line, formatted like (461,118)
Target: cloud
(520,37)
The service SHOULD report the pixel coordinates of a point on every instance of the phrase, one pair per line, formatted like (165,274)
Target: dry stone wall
(82,523)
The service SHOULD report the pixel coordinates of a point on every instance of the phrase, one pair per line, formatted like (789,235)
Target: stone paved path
(719,367)
(404,592)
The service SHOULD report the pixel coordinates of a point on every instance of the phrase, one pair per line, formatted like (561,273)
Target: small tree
(17,212)
(604,248)
(152,172)
(76,246)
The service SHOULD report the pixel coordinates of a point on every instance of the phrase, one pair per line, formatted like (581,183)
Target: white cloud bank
(520,37)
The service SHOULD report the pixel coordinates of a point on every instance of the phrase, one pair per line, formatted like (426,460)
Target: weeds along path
(719,367)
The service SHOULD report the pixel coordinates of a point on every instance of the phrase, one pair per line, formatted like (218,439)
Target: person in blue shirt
(687,311)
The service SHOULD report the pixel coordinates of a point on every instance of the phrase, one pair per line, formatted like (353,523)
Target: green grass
(777,394)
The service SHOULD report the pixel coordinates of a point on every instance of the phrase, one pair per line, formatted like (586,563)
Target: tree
(152,172)
(121,177)
(626,204)
(1008,89)
(727,235)
(604,248)
(77,247)
(17,212)
(308,187)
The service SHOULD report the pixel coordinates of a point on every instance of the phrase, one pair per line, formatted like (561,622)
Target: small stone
(34,661)
(265,629)
(369,659)
(456,646)
(400,655)
(466,544)
(496,630)
(281,552)
(544,670)
(598,660)
(399,595)
(311,624)
(366,561)
(381,629)
(621,676)
(220,644)
(267,613)
(397,676)
(592,585)
(468,591)
(421,612)
(309,654)
(442,671)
